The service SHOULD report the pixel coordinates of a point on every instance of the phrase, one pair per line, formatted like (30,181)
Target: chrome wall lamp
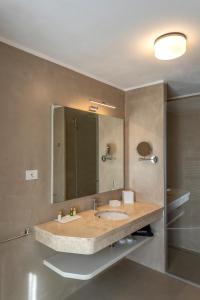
(108,154)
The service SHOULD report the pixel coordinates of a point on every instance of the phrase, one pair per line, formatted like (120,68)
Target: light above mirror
(170,46)
(102,103)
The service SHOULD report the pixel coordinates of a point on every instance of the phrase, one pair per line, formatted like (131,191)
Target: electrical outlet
(31,174)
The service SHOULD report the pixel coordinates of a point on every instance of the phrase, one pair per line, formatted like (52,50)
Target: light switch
(31,174)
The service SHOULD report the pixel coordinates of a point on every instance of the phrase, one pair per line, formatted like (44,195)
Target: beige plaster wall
(59,140)
(145,121)
(29,85)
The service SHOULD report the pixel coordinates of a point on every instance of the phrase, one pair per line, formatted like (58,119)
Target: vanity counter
(90,234)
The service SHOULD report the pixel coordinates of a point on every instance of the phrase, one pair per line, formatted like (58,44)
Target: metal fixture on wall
(26,233)
(108,155)
(153,159)
(144,149)
(93,108)
(101,103)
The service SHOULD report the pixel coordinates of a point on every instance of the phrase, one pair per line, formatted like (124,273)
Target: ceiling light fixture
(103,104)
(170,46)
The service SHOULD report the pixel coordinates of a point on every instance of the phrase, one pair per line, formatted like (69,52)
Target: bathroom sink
(112,215)
(102,227)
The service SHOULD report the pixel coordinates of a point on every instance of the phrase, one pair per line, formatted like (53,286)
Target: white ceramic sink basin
(112,215)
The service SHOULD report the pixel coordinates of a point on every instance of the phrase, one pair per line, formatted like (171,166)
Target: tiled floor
(130,281)
(184,264)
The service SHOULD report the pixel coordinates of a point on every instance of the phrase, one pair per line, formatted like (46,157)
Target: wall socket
(31,174)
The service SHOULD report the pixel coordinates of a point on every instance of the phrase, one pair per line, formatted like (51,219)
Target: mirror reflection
(87,153)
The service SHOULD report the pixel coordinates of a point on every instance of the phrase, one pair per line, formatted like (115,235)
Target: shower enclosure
(183,193)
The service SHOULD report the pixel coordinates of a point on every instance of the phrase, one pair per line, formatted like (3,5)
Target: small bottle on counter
(71,212)
(60,216)
(74,211)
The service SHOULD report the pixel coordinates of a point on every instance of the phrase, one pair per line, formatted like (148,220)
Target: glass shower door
(183,193)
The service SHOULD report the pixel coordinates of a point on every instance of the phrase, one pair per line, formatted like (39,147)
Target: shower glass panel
(183,193)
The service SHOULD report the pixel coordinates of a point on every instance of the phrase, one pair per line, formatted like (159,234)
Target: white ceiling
(110,40)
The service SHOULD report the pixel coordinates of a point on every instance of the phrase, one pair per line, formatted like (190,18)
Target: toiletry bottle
(71,211)
(60,216)
(74,211)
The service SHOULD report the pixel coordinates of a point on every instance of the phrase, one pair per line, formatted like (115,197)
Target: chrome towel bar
(26,233)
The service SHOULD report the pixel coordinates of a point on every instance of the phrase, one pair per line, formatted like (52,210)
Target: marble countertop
(90,234)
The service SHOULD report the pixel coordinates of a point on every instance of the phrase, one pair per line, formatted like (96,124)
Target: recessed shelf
(84,267)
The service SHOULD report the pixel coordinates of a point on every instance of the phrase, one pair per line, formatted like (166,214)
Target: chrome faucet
(96,203)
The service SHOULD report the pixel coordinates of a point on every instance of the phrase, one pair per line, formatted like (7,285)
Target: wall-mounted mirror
(144,149)
(87,153)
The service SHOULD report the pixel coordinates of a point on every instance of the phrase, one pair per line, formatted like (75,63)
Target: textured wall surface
(29,85)
(59,140)
(145,121)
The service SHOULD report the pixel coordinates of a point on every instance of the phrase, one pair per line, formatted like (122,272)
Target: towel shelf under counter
(84,267)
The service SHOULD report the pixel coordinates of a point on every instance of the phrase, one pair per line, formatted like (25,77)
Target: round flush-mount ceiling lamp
(170,46)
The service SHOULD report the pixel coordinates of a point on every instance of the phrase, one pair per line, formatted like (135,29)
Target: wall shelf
(177,199)
(84,267)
